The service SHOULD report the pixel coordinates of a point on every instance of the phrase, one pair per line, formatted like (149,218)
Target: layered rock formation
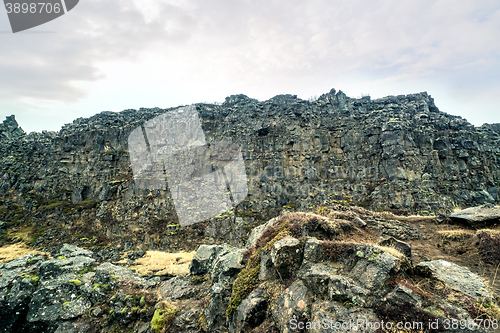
(397,152)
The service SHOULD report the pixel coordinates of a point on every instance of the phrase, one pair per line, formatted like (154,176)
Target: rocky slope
(397,152)
(298,272)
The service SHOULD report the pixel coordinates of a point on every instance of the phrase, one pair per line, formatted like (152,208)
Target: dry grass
(163,263)
(14,251)
(489,231)
(392,251)
(455,235)
(456,208)
(20,234)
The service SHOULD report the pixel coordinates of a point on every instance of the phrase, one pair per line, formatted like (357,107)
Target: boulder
(373,270)
(294,305)
(204,258)
(250,313)
(329,317)
(478,217)
(227,266)
(286,255)
(455,277)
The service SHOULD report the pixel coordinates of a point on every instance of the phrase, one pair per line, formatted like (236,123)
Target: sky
(115,55)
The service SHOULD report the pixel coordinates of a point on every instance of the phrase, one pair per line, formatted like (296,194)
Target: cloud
(259,48)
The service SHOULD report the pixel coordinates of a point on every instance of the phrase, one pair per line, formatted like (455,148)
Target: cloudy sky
(114,55)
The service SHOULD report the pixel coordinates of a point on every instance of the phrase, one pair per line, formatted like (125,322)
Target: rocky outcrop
(310,284)
(68,292)
(478,217)
(10,130)
(330,284)
(397,152)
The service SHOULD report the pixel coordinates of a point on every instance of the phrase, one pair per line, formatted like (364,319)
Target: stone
(374,269)
(316,277)
(286,255)
(74,251)
(455,277)
(403,294)
(401,246)
(293,305)
(228,265)
(53,268)
(478,217)
(250,313)
(258,231)
(204,258)
(178,287)
(267,270)
(330,317)
(313,250)
(59,300)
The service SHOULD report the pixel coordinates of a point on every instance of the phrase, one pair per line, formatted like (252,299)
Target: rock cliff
(394,153)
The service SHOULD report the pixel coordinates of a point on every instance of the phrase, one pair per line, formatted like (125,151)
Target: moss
(86,270)
(163,317)
(62,258)
(142,302)
(34,280)
(53,205)
(76,282)
(65,303)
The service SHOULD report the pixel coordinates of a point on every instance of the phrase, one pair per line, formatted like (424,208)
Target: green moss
(62,258)
(142,302)
(86,270)
(34,280)
(76,282)
(53,205)
(163,317)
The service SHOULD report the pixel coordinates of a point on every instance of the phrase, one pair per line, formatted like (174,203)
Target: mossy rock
(163,317)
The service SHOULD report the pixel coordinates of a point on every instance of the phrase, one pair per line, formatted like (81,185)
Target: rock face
(397,152)
(478,217)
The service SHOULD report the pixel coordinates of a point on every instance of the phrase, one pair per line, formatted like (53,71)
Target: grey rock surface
(456,277)
(478,217)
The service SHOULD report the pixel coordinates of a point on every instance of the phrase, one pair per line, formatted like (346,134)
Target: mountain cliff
(396,153)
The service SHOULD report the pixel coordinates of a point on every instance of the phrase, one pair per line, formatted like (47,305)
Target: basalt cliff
(396,153)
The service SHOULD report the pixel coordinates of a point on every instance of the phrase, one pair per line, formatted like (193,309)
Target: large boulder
(455,277)
(478,217)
